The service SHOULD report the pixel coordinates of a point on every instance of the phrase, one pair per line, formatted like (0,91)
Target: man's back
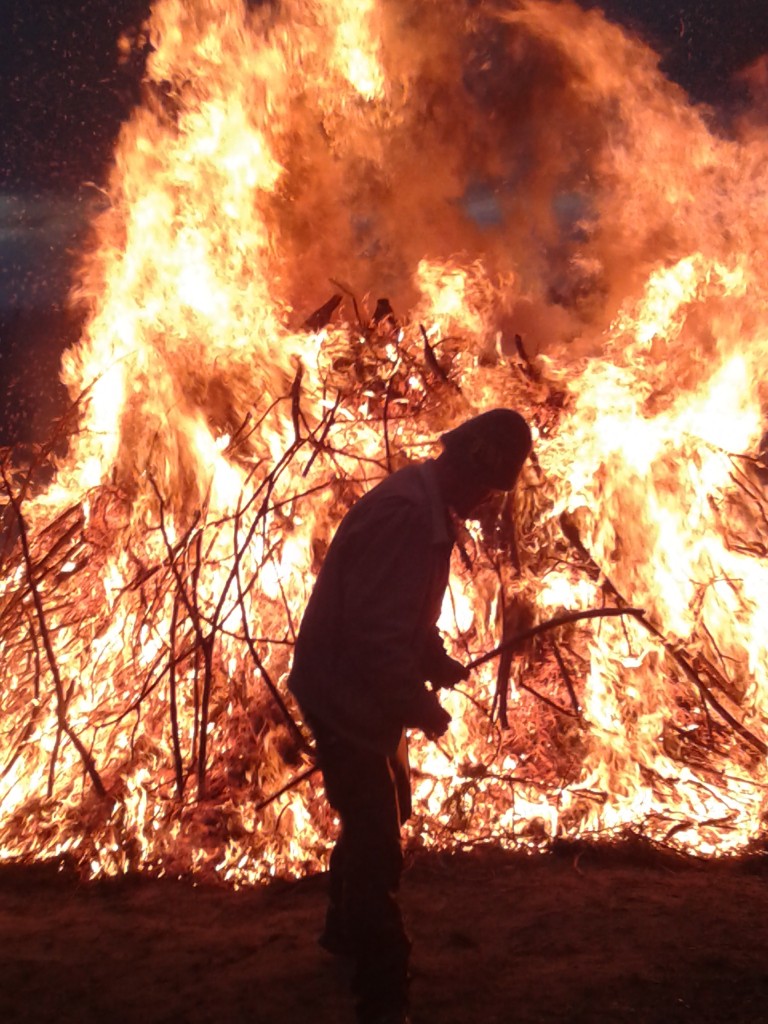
(378,594)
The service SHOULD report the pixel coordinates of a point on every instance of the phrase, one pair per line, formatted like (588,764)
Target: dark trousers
(371,794)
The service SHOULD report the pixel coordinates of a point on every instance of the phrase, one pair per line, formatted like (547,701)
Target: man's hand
(438,724)
(430,716)
(449,673)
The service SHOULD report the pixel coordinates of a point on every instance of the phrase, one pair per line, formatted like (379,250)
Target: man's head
(483,455)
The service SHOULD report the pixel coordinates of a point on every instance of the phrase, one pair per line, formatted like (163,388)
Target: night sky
(702,42)
(63,93)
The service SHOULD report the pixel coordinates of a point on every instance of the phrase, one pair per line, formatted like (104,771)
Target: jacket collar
(443,531)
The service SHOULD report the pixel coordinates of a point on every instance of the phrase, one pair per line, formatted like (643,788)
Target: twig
(207,651)
(176,742)
(561,620)
(704,690)
(564,672)
(291,784)
(433,364)
(320,442)
(299,736)
(64,725)
(528,368)
(204,641)
(296,401)
(385,419)
(547,700)
(52,763)
(348,291)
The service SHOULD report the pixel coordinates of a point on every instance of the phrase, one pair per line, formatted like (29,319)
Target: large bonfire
(335,230)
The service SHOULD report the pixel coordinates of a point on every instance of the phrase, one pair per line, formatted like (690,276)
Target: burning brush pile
(482,207)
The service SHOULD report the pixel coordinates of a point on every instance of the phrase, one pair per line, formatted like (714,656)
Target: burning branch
(513,643)
(432,361)
(197,621)
(681,660)
(174,709)
(62,697)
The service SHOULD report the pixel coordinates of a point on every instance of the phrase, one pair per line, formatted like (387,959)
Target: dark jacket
(368,640)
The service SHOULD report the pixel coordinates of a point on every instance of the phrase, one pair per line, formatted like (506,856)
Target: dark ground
(601,936)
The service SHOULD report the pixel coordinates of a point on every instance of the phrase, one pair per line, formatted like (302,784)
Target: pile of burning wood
(145,638)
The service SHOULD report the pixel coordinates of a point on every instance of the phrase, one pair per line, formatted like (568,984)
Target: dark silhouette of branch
(513,642)
(61,709)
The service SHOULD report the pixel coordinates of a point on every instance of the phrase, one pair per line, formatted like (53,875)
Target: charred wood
(323,315)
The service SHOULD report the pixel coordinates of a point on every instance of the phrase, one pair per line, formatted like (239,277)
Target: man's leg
(335,938)
(366,868)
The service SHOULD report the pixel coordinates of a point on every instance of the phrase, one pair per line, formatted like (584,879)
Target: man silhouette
(367,646)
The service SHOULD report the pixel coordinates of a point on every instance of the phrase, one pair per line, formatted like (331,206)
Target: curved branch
(543,627)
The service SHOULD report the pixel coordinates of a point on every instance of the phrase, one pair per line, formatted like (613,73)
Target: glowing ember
(153,576)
